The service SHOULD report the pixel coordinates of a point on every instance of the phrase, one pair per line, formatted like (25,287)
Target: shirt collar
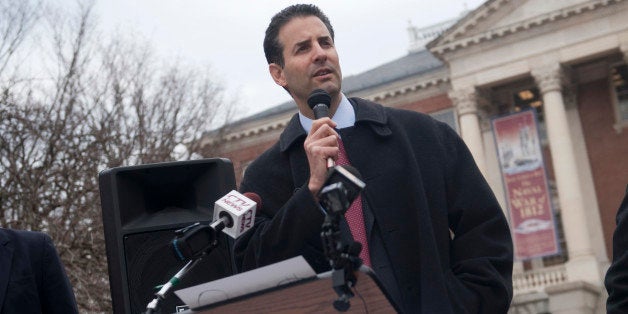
(367,113)
(344,116)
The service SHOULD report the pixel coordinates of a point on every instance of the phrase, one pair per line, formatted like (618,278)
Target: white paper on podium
(270,276)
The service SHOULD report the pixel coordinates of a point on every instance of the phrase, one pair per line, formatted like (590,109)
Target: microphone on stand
(341,188)
(319,101)
(234,214)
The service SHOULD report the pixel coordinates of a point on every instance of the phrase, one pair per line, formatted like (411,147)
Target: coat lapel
(6,255)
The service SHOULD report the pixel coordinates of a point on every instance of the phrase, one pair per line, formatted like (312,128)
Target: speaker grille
(151,262)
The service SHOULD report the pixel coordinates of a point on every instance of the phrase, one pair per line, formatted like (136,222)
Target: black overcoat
(439,240)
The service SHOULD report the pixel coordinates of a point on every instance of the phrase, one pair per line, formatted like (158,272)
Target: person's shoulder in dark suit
(616,280)
(32,277)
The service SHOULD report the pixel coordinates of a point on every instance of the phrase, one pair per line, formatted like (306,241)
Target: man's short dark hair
(273,49)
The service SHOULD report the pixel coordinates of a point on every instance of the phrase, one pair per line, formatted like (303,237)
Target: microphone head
(317,97)
(255,198)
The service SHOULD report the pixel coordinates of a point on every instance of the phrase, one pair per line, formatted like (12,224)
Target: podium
(310,295)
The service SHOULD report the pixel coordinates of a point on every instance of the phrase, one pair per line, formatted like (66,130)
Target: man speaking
(429,224)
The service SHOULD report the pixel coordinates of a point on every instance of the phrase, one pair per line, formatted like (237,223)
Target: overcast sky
(227,35)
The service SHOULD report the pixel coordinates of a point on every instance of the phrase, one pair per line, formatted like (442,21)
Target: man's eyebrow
(302,43)
(326,37)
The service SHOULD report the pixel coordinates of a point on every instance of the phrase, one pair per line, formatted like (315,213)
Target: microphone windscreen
(255,198)
(318,96)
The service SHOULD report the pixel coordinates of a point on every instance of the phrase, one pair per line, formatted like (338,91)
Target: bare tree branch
(108,103)
(18,19)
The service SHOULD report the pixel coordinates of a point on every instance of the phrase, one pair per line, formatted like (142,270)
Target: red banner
(527,194)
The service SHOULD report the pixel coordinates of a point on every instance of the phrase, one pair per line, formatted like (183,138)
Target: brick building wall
(429,105)
(607,151)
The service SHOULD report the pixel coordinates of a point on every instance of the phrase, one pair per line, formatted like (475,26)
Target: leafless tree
(18,19)
(106,103)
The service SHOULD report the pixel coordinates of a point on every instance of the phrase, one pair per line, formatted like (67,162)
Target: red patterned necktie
(354,215)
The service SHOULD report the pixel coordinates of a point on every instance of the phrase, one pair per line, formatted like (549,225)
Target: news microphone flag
(240,210)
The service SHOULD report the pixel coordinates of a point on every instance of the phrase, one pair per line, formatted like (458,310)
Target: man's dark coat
(616,280)
(438,238)
(32,279)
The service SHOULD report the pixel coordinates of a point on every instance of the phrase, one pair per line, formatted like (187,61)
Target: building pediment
(500,18)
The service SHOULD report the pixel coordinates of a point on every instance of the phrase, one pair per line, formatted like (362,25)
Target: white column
(582,264)
(465,102)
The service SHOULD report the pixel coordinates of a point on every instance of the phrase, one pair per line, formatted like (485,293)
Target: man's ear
(276,72)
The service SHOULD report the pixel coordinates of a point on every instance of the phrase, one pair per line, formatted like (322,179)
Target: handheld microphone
(234,214)
(319,101)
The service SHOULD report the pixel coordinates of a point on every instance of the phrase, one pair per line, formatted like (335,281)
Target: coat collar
(366,112)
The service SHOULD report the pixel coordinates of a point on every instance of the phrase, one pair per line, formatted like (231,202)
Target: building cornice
(454,39)
(255,131)
(400,91)
(269,127)
(280,120)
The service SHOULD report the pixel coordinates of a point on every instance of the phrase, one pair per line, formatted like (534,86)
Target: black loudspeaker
(142,206)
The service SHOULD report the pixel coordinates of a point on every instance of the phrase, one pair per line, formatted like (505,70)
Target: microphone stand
(153,306)
(336,197)
(189,232)
(342,261)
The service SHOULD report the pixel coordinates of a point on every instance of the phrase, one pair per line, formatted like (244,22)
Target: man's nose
(320,54)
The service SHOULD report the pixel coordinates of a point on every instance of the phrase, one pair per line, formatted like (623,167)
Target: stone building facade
(565,59)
